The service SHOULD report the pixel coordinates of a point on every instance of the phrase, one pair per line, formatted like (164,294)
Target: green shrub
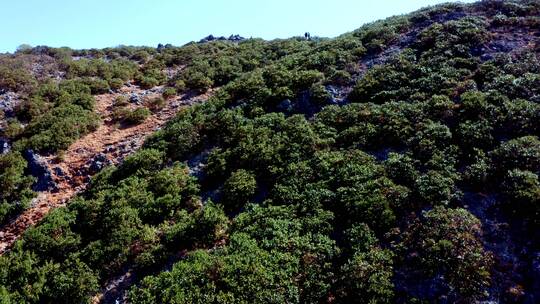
(368,276)
(520,153)
(169,93)
(97,86)
(308,209)
(180,86)
(116,83)
(522,192)
(15,192)
(141,56)
(319,94)
(13,129)
(238,189)
(448,242)
(16,79)
(155,104)
(341,77)
(120,101)
(198,81)
(58,128)
(137,116)
(148,82)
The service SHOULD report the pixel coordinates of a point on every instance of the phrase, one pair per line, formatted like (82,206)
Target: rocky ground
(109,144)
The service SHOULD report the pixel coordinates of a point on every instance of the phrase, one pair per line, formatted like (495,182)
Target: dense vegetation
(324,179)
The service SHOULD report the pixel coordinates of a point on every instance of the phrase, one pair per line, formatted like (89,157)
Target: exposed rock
(4,146)
(154,90)
(75,161)
(110,149)
(197,163)
(38,169)
(435,289)
(134,98)
(486,57)
(166,46)
(535,274)
(305,105)
(286,105)
(233,38)
(382,154)
(338,94)
(211,195)
(99,162)
(236,38)
(59,172)
(8,102)
(445,17)
(207,39)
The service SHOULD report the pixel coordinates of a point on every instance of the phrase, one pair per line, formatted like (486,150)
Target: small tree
(24,48)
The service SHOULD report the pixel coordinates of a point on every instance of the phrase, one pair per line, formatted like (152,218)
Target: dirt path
(109,141)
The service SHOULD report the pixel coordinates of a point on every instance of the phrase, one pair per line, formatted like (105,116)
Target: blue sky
(102,23)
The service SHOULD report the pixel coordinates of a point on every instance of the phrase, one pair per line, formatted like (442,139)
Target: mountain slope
(397,163)
(108,144)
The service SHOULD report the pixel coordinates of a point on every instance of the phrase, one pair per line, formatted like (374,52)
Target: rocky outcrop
(99,162)
(162,47)
(233,38)
(4,146)
(136,99)
(8,102)
(38,169)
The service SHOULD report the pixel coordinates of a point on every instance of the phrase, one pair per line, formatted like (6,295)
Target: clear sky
(103,23)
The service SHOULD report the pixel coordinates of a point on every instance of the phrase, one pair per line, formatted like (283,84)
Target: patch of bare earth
(72,171)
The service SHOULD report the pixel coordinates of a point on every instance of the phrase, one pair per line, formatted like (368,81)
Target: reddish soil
(110,139)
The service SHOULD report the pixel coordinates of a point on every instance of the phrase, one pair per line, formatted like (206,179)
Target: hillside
(397,163)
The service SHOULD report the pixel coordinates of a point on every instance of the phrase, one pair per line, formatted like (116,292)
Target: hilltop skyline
(102,23)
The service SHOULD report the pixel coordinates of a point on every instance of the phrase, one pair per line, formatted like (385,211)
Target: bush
(520,153)
(169,92)
(58,128)
(120,101)
(341,77)
(13,129)
(148,82)
(16,79)
(319,94)
(315,207)
(15,192)
(368,276)
(141,56)
(435,188)
(116,83)
(156,103)
(199,82)
(522,194)
(180,86)
(238,189)
(137,116)
(448,242)
(97,86)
